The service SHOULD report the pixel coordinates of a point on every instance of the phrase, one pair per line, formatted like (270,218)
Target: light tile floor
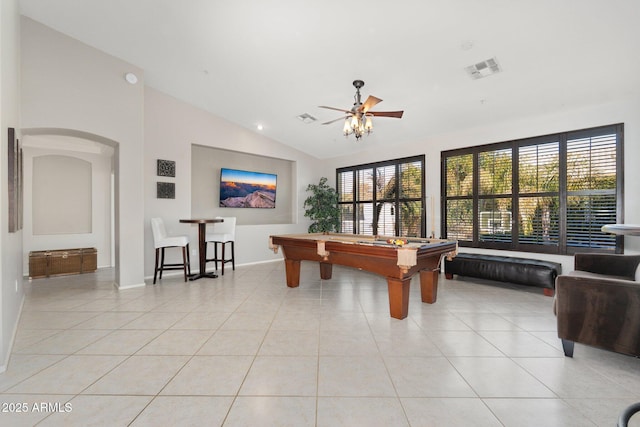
(245,350)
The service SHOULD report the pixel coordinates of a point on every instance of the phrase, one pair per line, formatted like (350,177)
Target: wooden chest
(62,261)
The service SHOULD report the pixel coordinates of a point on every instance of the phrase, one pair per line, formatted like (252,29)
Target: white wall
(11,291)
(72,89)
(99,236)
(206,163)
(60,195)
(623,111)
(171,127)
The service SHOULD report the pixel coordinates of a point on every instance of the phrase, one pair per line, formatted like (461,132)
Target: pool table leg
(292,269)
(325,270)
(429,285)
(398,297)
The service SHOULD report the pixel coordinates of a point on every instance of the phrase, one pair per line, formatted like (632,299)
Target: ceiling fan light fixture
(355,122)
(368,125)
(358,125)
(359,119)
(347,127)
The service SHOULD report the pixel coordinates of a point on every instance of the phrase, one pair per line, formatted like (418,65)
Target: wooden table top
(201,220)
(628,229)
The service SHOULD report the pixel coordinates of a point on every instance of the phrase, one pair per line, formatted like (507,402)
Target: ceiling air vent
(306,118)
(483,69)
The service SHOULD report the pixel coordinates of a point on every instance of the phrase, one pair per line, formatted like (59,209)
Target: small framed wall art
(14,170)
(166,190)
(166,168)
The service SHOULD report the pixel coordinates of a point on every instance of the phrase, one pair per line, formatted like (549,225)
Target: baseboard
(194,269)
(6,358)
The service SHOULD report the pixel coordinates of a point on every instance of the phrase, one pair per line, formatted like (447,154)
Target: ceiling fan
(357,120)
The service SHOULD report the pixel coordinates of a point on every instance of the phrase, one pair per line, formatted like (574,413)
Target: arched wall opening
(103,153)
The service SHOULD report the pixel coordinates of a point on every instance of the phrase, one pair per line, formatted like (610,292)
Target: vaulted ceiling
(265,62)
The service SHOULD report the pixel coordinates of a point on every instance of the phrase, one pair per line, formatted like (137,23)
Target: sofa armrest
(608,264)
(604,313)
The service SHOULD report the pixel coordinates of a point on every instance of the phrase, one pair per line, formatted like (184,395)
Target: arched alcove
(77,147)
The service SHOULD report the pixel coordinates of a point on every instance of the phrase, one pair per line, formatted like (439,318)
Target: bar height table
(624,229)
(202,245)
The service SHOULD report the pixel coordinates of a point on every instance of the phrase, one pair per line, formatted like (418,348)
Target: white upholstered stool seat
(223,233)
(161,241)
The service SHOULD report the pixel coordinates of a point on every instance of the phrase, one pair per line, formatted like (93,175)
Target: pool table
(397,262)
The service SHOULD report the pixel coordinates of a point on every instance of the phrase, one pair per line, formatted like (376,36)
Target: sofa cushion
(523,271)
(609,264)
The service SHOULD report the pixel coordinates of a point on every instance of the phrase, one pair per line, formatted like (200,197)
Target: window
(546,194)
(495,195)
(384,198)
(539,193)
(459,201)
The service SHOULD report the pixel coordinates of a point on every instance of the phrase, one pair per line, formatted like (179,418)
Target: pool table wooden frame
(371,253)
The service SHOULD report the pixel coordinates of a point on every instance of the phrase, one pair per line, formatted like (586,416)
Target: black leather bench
(523,271)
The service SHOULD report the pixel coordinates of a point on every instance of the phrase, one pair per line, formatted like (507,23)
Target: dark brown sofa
(598,303)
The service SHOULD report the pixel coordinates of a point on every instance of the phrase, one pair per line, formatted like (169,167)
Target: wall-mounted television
(246,189)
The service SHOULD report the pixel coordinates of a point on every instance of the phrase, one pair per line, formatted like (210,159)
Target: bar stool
(161,241)
(625,416)
(223,233)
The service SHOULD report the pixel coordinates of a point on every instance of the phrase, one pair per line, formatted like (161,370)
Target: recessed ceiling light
(259,126)
(131,78)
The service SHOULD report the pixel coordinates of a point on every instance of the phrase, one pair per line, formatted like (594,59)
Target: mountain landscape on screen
(244,189)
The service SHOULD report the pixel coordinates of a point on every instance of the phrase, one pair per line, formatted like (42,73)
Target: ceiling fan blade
(369,103)
(334,108)
(333,121)
(395,114)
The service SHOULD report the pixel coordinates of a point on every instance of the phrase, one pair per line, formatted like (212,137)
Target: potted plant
(322,208)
